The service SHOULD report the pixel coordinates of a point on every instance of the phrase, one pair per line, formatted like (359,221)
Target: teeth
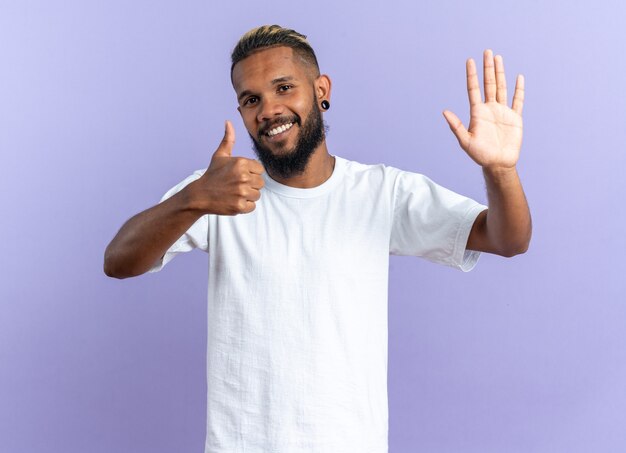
(279,129)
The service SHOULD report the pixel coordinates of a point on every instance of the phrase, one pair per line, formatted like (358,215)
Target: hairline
(311,69)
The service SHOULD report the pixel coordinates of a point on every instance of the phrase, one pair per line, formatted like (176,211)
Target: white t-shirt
(297,305)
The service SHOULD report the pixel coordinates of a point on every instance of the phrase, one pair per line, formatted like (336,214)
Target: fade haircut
(267,36)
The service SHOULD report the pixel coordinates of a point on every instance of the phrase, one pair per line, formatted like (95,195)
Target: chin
(283,151)
(280,149)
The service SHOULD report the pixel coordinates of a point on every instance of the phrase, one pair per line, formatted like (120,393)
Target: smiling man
(299,247)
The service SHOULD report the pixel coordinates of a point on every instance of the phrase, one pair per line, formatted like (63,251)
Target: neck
(319,168)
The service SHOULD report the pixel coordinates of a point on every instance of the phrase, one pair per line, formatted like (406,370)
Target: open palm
(494,136)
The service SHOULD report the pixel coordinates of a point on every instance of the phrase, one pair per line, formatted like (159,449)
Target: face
(278,100)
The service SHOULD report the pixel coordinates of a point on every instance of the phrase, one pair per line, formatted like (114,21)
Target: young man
(299,247)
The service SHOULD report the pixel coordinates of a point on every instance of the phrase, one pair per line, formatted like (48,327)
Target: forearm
(508,222)
(145,238)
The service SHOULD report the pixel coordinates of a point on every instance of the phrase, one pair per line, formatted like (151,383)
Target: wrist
(500,174)
(192,199)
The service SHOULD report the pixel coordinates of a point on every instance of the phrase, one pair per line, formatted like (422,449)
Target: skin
(494,140)
(274,83)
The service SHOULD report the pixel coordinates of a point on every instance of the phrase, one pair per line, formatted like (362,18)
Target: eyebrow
(273,82)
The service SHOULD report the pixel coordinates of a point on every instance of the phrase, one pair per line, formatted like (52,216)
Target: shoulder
(384,176)
(374,174)
(182,184)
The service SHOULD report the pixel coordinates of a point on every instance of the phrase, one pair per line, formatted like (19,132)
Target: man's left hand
(494,137)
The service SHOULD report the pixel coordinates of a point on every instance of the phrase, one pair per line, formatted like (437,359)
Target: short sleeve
(196,237)
(432,222)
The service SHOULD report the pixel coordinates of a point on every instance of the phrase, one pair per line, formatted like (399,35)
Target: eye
(250,101)
(284,88)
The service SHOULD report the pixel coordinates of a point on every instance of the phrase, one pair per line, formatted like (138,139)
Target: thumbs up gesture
(231,185)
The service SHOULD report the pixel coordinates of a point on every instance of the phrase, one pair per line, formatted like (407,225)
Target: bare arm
(145,238)
(505,228)
(493,141)
(230,186)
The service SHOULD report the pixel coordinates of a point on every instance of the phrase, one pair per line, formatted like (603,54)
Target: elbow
(111,271)
(112,268)
(515,249)
(510,253)
(122,267)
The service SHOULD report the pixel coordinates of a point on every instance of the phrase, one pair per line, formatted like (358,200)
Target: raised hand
(494,137)
(231,185)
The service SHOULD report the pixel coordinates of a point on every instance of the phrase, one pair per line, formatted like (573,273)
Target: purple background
(106,105)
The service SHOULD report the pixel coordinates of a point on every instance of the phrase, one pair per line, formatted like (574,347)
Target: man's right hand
(231,185)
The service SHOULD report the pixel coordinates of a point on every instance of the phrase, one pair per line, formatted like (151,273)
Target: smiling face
(278,95)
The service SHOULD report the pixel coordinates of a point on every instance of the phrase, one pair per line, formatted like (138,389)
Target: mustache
(279,121)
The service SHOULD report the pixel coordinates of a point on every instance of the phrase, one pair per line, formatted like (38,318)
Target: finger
(253,195)
(256,167)
(518,96)
(250,205)
(225,149)
(256,181)
(489,76)
(473,90)
(501,94)
(457,128)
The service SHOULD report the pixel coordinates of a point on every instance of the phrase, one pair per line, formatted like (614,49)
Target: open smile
(279,130)
(279,133)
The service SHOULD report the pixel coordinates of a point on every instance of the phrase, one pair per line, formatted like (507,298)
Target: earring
(325,104)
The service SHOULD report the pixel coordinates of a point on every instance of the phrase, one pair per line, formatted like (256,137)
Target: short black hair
(267,36)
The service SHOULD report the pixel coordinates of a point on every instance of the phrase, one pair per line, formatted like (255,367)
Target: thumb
(457,128)
(225,149)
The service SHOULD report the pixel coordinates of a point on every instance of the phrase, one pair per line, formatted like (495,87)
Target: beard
(292,162)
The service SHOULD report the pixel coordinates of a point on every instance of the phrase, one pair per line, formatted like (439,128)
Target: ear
(322,87)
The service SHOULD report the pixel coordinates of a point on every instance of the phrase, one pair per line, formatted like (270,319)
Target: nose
(269,109)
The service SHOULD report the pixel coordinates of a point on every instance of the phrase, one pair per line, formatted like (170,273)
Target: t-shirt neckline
(296,192)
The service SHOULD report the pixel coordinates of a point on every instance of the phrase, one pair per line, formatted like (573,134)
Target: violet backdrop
(106,105)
